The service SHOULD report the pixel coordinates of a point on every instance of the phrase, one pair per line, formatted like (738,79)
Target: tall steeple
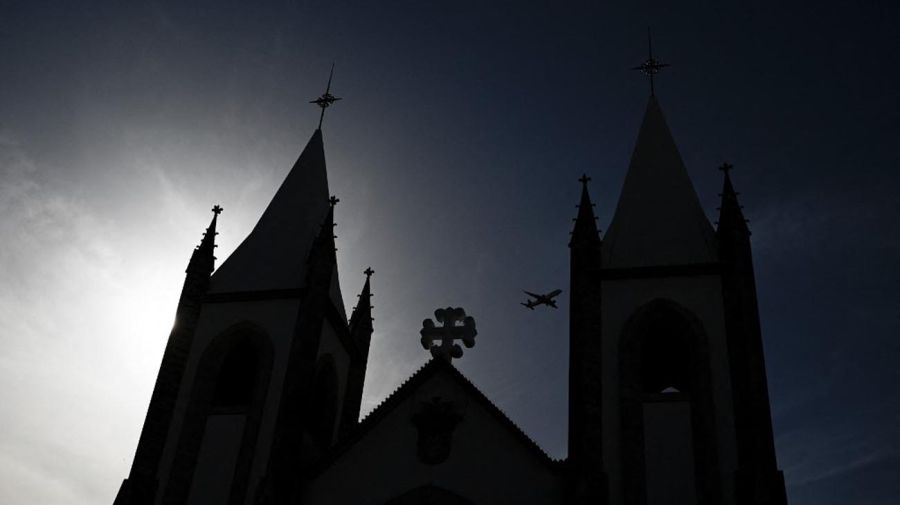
(658,220)
(253,344)
(272,256)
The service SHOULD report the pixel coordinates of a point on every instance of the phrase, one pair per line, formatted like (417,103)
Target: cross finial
(584,179)
(651,66)
(333,201)
(217,209)
(455,325)
(726,167)
(368,271)
(326,99)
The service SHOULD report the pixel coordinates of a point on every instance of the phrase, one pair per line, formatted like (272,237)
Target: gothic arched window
(667,409)
(237,377)
(218,435)
(664,360)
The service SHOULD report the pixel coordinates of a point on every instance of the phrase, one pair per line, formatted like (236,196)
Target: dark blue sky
(455,152)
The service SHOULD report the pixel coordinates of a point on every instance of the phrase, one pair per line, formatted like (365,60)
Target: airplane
(547,299)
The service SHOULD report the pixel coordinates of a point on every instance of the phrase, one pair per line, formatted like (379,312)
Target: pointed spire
(203,258)
(585,230)
(361,319)
(731,215)
(658,219)
(272,256)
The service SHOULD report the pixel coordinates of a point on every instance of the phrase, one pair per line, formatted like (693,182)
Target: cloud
(835,445)
(82,321)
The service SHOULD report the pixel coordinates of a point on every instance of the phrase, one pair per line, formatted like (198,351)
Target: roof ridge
(394,392)
(504,416)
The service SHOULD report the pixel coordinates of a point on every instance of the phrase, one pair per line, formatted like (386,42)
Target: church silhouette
(257,399)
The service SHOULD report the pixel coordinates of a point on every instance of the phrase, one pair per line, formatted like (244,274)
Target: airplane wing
(533,295)
(553,293)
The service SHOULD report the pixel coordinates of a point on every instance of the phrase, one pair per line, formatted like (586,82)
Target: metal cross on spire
(726,167)
(217,209)
(368,271)
(584,179)
(326,99)
(651,66)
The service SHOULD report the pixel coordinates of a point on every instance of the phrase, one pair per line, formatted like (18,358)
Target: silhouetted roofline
(403,392)
(272,256)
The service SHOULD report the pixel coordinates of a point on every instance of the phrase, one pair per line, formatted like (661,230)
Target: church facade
(257,400)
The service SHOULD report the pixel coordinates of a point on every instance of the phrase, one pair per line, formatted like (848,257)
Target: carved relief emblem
(435,421)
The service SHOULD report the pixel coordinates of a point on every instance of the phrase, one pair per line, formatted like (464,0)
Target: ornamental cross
(327,99)
(455,325)
(651,66)
(368,271)
(217,209)
(726,167)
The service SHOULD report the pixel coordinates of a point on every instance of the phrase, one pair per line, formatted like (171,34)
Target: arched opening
(668,434)
(324,403)
(665,359)
(218,436)
(237,377)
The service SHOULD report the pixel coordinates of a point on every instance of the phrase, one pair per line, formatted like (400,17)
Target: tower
(262,371)
(668,396)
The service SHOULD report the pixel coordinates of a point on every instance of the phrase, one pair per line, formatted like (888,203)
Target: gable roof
(407,388)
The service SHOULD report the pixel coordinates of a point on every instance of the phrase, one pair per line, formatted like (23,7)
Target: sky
(455,152)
